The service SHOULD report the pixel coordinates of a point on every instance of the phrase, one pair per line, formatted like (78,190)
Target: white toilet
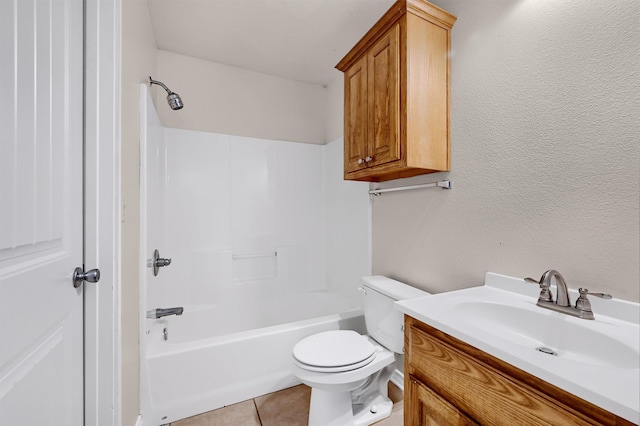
(348,373)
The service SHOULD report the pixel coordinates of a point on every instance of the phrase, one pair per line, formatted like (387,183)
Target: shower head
(174,100)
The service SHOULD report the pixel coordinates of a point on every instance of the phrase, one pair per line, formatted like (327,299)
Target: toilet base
(335,409)
(378,409)
(330,408)
(350,398)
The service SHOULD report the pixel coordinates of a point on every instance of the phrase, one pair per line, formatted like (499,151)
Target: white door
(41,219)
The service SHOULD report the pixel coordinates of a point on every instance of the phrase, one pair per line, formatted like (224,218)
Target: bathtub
(217,355)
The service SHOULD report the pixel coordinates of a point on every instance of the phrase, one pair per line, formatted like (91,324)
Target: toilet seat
(334,351)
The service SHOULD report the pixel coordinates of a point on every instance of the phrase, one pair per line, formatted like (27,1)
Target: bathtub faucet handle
(162,262)
(159,262)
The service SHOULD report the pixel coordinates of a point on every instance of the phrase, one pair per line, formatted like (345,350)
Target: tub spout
(163,312)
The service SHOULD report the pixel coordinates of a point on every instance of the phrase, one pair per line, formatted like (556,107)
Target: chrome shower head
(174,100)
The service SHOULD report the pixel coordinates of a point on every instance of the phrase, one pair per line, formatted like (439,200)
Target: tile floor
(288,407)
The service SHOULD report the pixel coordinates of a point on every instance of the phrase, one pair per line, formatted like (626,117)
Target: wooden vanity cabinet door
(481,391)
(427,408)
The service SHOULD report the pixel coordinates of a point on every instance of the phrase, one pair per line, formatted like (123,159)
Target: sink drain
(546,350)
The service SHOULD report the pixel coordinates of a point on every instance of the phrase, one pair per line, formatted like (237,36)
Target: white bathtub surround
(347,214)
(259,261)
(244,218)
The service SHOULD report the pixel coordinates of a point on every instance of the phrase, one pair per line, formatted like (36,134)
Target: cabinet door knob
(368,159)
(361,161)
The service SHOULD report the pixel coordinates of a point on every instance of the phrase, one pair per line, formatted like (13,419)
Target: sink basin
(549,332)
(596,360)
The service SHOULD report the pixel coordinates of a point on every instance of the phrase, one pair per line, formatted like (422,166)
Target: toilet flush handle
(363,290)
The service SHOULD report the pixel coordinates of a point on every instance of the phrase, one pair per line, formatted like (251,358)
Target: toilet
(348,373)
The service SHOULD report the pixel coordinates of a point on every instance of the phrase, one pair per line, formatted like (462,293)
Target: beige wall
(545,145)
(223,99)
(335,108)
(138,62)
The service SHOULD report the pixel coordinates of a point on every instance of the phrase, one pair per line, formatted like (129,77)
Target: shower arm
(159,83)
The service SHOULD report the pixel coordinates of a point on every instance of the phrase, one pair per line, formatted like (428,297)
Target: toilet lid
(336,350)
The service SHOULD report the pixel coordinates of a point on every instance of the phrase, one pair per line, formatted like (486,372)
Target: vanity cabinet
(396,95)
(448,382)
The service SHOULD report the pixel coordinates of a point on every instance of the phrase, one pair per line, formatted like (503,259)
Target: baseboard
(397,378)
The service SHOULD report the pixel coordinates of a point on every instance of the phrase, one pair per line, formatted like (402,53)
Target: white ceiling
(296,39)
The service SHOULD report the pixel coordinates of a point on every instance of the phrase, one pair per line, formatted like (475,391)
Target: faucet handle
(545,293)
(583,303)
(600,295)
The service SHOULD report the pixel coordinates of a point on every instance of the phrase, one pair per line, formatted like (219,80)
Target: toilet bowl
(349,373)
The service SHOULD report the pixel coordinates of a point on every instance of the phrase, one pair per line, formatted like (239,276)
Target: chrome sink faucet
(582,308)
(562,293)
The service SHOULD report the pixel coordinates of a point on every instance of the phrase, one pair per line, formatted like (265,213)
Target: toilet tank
(384,322)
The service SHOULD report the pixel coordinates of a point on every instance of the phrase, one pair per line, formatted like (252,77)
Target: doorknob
(92,276)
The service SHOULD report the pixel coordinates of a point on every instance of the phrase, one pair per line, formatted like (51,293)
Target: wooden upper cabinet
(396,95)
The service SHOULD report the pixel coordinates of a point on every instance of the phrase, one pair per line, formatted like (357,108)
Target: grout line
(257,411)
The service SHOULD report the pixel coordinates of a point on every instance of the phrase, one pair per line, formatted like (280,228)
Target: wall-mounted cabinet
(396,95)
